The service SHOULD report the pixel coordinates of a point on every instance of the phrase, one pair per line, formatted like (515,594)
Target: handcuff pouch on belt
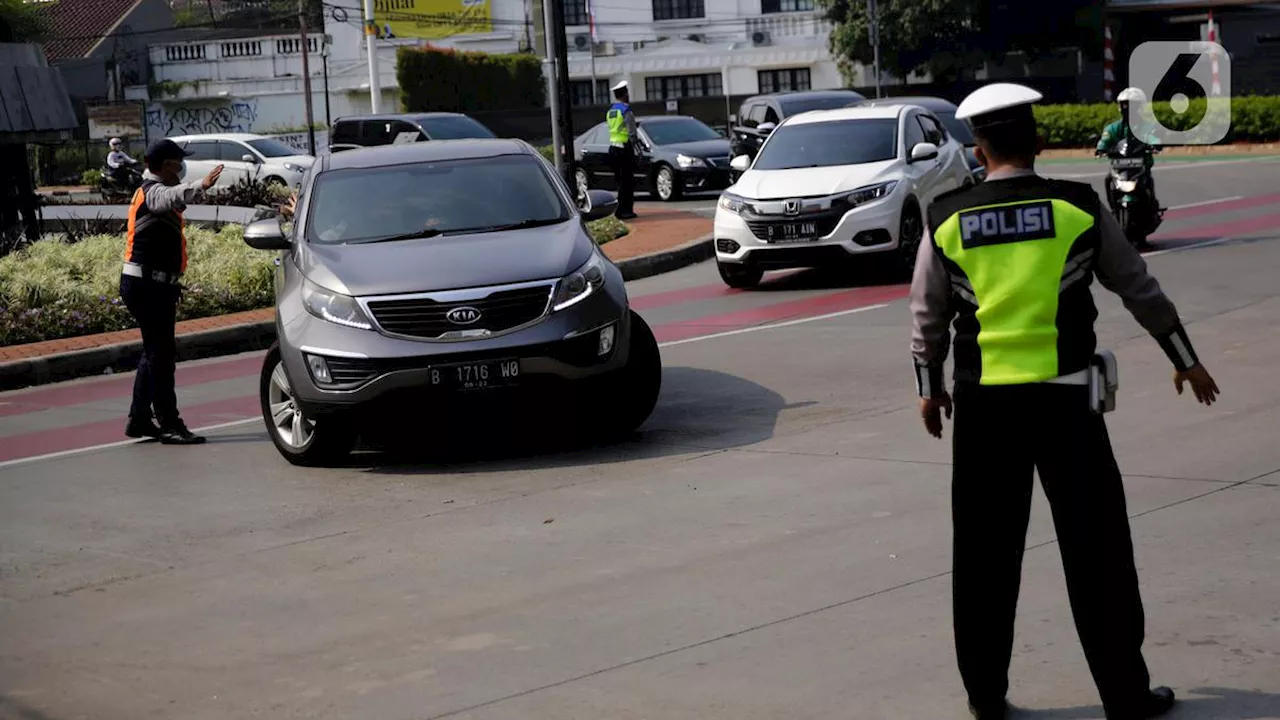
(1103,382)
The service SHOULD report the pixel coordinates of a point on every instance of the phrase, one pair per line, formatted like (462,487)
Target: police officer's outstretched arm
(931,315)
(1122,270)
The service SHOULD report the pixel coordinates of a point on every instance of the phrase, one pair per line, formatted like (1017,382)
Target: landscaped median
(61,315)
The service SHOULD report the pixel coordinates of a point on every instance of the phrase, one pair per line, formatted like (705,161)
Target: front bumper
(867,230)
(699,179)
(381,371)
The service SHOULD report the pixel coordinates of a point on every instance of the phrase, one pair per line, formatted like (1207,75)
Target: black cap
(166,149)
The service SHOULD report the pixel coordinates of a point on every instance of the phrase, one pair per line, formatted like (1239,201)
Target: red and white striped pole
(1108,64)
(1213,56)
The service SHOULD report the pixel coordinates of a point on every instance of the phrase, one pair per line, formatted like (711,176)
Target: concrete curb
(248,337)
(666,261)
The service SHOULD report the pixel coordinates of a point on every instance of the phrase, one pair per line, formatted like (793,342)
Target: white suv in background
(244,155)
(832,185)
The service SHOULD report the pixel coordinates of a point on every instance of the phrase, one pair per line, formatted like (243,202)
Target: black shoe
(180,436)
(142,428)
(625,216)
(990,711)
(1155,703)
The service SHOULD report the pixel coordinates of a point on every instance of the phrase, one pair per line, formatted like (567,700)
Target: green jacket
(1115,132)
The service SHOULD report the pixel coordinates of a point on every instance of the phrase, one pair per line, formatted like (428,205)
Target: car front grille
(428,318)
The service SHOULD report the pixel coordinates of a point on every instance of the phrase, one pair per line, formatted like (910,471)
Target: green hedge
(1253,119)
(55,289)
(449,80)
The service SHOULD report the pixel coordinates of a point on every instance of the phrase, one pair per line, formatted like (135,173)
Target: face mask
(182,173)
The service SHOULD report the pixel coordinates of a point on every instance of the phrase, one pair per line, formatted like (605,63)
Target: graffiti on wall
(236,116)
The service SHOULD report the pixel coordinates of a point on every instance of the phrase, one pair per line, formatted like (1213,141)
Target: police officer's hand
(211,178)
(931,411)
(1202,384)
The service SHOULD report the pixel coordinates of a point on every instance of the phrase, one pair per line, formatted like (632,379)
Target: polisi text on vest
(1013,223)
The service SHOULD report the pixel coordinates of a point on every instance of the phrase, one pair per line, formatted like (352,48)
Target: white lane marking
(1192,246)
(1202,203)
(121,443)
(773,325)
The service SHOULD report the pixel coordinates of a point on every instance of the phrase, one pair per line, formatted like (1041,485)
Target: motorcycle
(113,189)
(1130,193)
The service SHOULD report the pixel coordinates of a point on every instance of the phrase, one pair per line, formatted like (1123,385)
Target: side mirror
(740,163)
(249,158)
(766,128)
(924,151)
(600,204)
(266,234)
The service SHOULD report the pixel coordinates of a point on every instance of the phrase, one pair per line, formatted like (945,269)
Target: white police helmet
(996,96)
(1131,94)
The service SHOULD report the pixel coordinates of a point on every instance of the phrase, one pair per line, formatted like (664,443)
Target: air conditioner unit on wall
(605,48)
(761,37)
(582,42)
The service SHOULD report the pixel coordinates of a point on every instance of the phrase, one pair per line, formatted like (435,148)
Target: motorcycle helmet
(115,143)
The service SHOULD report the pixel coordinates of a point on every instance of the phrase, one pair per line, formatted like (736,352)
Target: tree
(20,22)
(950,38)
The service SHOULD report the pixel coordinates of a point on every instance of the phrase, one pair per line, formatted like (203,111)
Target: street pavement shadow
(1216,703)
(871,272)
(698,410)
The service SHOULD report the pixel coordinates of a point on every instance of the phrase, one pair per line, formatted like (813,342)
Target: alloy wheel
(287,419)
(666,183)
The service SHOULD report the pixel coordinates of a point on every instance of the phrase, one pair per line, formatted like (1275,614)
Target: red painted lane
(79,394)
(1222,206)
(780,312)
(700,292)
(1233,229)
(109,431)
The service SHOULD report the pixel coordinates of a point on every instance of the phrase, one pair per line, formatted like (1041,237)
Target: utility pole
(553,82)
(874,24)
(324,57)
(562,107)
(371,45)
(306,76)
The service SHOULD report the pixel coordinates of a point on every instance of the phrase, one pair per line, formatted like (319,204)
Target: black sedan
(681,154)
(946,112)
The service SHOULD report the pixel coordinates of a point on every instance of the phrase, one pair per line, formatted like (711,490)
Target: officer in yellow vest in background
(623,148)
(1011,262)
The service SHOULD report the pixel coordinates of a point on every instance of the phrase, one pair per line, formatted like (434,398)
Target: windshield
(272,148)
(826,144)
(795,107)
(448,127)
(670,132)
(431,198)
(958,129)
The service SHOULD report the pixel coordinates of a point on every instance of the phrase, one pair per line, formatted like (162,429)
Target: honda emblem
(791,207)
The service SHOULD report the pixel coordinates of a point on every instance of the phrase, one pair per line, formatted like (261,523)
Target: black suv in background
(374,130)
(760,114)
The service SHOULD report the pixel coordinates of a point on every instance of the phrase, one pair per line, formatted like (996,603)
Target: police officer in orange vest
(155,257)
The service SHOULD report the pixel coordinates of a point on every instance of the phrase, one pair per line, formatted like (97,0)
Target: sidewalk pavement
(658,242)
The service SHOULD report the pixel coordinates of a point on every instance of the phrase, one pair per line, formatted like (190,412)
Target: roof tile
(76,26)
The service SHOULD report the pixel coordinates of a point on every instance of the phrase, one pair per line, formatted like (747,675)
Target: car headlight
(334,307)
(580,284)
(686,161)
(1126,185)
(867,194)
(733,203)
(293,168)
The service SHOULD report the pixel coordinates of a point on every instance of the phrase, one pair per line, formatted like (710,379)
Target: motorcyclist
(1130,100)
(117,160)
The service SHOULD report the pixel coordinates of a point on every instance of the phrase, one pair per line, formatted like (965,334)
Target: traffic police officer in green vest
(623,149)
(1011,261)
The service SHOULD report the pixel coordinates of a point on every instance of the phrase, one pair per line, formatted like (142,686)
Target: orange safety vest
(156,241)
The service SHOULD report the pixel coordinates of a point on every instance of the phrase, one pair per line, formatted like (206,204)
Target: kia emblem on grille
(791,207)
(463,315)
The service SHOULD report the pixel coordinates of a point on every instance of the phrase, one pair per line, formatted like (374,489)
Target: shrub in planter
(247,192)
(91,177)
(1253,119)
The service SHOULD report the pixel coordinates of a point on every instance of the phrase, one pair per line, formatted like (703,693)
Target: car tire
(324,441)
(632,392)
(740,277)
(910,235)
(666,184)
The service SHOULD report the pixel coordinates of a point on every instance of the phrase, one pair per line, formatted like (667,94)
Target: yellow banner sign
(431,19)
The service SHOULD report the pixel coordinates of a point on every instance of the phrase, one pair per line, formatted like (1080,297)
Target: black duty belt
(160,276)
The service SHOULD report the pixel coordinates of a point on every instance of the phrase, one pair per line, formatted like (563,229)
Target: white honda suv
(832,185)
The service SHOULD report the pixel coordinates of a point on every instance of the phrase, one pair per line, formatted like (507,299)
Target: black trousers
(154,306)
(623,161)
(1000,435)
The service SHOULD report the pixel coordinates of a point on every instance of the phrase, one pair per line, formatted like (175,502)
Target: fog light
(606,340)
(727,246)
(319,368)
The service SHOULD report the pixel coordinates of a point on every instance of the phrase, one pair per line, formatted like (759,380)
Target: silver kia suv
(416,275)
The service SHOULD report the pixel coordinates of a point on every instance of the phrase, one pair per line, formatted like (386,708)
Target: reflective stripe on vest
(617,119)
(150,237)
(1016,263)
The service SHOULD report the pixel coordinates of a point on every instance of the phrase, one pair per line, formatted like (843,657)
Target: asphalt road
(774,543)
